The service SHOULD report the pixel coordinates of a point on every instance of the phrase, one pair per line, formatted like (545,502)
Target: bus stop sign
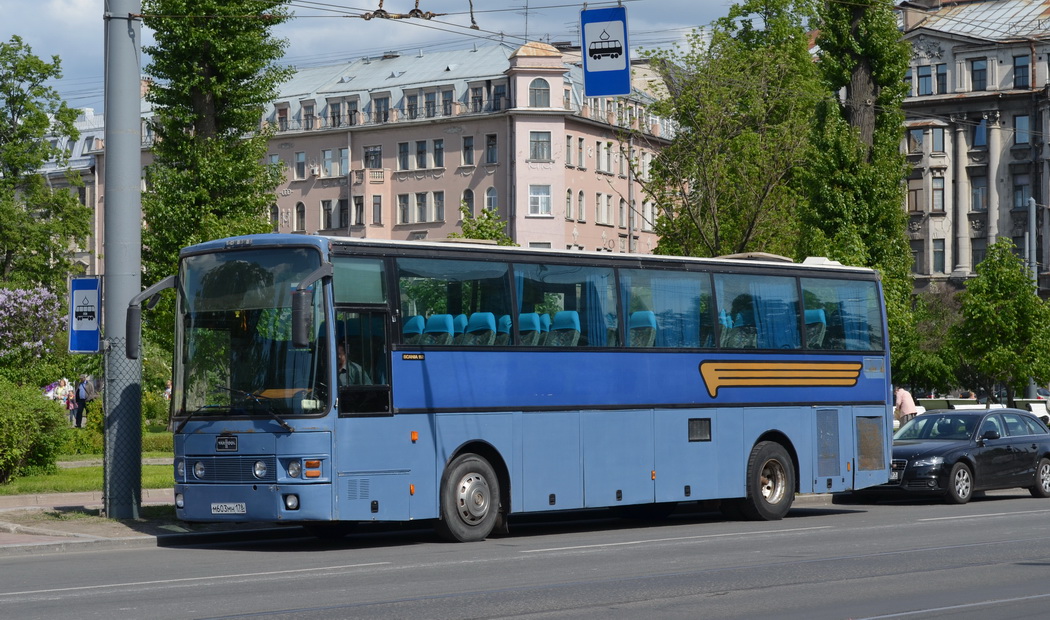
(85,297)
(606,64)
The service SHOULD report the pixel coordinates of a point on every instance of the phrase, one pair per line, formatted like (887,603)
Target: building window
(282,119)
(308,117)
(915,196)
(539,94)
(539,200)
(327,162)
(351,113)
(491,152)
(421,206)
(468,201)
(916,257)
(568,150)
(335,114)
(374,157)
(300,216)
(359,211)
(275,218)
(439,206)
(938,256)
(381,108)
(326,214)
(978,193)
(1022,190)
(421,154)
(925,73)
(648,215)
(540,145)
(402,208)
(566,99)
(980,134)
(475,99)
(344,211)
(1022,134)
(275,160)
(908,84)
(937,141)
(413,106)
(979,74)
(490,198)
(377,210)
(942,79)
(344,161)
(430,104)
(468,150)
(447,99)
(937,204)
(402,155)
(568,204)
(581,206)
(1021,72)
(499,96)
(978,249)
(439,153)
(581,161)
(915,140)
(300,165)
(622,219)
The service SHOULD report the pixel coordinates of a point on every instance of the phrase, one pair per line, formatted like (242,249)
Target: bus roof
(325,243)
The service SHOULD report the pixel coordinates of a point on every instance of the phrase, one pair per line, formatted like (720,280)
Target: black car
(953,453)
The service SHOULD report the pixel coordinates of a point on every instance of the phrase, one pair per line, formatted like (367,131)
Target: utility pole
(122,256)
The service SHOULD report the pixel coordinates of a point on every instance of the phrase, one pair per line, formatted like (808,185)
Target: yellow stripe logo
(778,374)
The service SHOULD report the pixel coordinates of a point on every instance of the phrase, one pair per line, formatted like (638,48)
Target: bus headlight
(294,469)
(259,470)
(180,501)
(198,469)
(180,470)
(291,502)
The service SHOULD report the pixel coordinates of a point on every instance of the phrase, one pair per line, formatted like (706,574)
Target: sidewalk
(70,521)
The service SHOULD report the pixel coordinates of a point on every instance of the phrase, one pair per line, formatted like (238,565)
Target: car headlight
(928,461)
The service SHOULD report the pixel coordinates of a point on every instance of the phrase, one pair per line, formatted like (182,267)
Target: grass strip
(83,479)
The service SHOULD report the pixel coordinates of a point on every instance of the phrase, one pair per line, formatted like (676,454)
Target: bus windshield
(234,353)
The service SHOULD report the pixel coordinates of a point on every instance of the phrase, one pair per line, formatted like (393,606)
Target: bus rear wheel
(469,500)
(770,483)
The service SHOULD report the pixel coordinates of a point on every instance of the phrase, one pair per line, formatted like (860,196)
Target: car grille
(898,465)
(231,468)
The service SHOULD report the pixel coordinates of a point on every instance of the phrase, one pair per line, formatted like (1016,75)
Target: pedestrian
(903,405)
(167,390)
(63,395)
(80,399)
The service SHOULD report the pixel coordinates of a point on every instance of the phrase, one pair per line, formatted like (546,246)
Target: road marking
(131,584)
(986,515)
(931,610)
(679,538)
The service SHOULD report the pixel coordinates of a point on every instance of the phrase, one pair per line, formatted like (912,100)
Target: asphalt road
(987,559)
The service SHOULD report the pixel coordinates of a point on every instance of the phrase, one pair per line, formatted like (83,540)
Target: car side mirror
(990,435)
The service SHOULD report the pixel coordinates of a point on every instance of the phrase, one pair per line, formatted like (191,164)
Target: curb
(81,542)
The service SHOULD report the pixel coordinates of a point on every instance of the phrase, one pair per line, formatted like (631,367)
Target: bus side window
(666,308)
(589,292)
(758,312)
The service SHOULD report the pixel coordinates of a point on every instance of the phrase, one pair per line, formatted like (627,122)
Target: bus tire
(770,483)
(469,499)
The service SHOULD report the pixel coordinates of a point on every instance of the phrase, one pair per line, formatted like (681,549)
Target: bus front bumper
(253,502)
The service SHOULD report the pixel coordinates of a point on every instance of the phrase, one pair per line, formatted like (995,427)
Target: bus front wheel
(469,499)
(770,483)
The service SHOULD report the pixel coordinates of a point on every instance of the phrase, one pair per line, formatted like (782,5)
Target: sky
(332,31)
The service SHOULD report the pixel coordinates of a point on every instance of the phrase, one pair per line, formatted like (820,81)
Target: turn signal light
(313,473)
(415,436)
(312,464)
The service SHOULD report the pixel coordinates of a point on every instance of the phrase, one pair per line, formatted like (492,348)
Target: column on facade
(994,152)
(961,200)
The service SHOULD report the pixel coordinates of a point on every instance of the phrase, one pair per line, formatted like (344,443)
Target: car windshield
(938,426)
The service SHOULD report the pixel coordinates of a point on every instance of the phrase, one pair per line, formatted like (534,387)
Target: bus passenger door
(362,361)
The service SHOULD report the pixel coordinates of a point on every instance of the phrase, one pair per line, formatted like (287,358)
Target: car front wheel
(960,484)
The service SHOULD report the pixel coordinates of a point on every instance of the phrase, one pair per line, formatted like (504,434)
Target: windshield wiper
(189,415)
(262,401)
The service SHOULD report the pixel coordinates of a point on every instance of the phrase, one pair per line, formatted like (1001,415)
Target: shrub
(33,430)
(158,442)
(154,407)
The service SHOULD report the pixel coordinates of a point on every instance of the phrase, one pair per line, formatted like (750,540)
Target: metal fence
(122,403)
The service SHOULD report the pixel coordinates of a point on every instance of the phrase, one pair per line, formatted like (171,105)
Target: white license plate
(229,508)
(895,476)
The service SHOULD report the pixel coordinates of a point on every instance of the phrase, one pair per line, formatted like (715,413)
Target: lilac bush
(30,321)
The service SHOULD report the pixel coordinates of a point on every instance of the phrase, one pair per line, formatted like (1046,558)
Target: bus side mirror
(302,315)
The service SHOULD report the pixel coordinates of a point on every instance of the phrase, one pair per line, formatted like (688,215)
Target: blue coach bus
(327,381)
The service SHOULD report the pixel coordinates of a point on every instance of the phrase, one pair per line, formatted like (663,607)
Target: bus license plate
(229,508)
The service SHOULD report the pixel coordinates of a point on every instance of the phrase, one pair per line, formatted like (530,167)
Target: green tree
(213,68)
(1004,335)
(41,223)
(854,176)
(487,225)
(742,103)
